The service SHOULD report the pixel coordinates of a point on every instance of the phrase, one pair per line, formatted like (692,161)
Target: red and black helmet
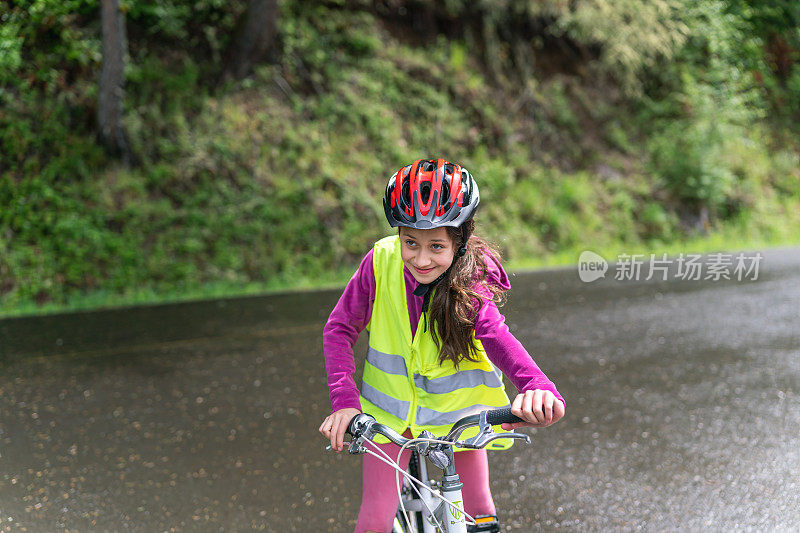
(429,194)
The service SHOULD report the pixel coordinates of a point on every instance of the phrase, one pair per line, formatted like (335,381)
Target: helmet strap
(463,248)
(424,289)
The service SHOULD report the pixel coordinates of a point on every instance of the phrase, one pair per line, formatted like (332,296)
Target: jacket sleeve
(502,348)
(508,354)
(350,315)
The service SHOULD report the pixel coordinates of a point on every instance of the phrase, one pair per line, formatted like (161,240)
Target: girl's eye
(410,243)
(437,246)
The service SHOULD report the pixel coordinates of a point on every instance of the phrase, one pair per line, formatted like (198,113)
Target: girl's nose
(423,259)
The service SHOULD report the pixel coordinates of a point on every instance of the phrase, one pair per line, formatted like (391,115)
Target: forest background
(613,125)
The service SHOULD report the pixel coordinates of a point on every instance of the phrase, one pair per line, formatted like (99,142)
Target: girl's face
(427,253)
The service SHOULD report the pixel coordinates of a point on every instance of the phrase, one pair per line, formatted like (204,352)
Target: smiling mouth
(423,270)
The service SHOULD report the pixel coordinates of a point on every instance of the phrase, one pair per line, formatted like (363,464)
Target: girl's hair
(455,304)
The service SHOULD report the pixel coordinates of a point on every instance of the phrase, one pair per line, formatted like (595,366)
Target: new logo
(591,266)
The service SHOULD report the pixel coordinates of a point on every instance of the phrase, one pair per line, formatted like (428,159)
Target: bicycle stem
(451,485)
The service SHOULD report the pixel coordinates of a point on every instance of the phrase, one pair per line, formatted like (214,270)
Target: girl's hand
(539,408)
(335,425)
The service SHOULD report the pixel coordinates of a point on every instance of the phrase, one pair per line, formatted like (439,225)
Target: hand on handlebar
(335,425)
(539,408)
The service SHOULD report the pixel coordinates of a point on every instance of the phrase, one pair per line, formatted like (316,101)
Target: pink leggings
(379,493)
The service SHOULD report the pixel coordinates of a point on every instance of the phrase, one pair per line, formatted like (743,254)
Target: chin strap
(424,289)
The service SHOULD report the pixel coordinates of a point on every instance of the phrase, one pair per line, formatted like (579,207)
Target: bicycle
(420,512)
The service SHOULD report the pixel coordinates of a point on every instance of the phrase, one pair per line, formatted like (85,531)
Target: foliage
(771,49)
(633,35)
(275,180)
(703,107)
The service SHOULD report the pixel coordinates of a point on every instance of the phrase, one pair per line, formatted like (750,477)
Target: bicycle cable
(398,471)
(408,476)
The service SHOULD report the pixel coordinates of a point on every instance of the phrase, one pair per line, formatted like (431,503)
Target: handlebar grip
(502,416)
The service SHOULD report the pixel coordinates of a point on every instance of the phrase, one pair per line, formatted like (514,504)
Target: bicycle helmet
(429,194)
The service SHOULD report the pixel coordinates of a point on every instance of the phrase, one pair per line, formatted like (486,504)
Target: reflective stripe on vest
(429,417)
(391,364)
(391,405)
(461,380)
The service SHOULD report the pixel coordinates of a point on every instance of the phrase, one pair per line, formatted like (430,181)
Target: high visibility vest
(404,385)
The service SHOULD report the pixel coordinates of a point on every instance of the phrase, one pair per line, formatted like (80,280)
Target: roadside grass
(726,240)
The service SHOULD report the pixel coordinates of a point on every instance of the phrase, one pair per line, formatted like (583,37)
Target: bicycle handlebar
(364,425)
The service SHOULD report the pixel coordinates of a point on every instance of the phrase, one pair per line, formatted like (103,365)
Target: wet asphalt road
(682,412)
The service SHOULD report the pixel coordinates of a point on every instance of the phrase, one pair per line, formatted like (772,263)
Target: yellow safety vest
(404,386)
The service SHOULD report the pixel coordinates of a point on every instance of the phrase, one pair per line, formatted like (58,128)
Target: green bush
(687,156)
(276,180)
(704,108)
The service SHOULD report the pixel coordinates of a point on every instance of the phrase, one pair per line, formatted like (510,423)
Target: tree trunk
(112,81)
(255,38)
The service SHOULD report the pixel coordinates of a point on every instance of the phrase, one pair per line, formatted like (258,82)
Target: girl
(428,297)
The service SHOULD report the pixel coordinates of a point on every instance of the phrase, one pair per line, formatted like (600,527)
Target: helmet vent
(405,192)
(425,191)
(445,199)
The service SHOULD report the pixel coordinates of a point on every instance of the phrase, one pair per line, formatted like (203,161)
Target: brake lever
(480,441)
(329,448)
(357,446)
(486,435)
